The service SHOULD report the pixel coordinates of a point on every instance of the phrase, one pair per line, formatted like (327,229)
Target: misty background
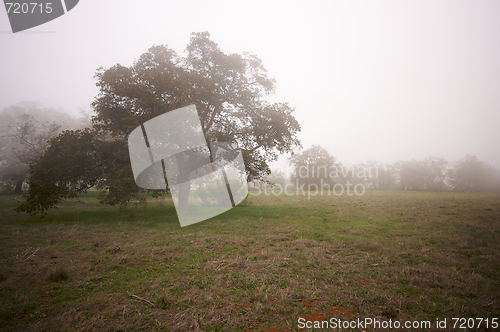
(384,80)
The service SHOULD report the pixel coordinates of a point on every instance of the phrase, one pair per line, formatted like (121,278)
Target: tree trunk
(19,184)
(184,190)
(187,163)
(185,168)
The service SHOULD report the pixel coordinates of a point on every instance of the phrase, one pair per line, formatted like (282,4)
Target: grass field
(389,256)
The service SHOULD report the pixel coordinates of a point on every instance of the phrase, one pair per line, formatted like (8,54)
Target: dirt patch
(241,306)
(316,317)
(340,310)
(308,303)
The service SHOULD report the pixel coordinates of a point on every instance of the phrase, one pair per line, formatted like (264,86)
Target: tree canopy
(228,90)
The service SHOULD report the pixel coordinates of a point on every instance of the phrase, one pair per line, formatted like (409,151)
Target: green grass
(261,266)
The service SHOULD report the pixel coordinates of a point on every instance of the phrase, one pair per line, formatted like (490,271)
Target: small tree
(472,174)
(314,166)
(76,161)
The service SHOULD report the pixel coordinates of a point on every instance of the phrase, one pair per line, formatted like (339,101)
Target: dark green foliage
(75,162)
(227,89)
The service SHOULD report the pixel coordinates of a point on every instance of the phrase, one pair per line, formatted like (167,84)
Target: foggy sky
(380,80)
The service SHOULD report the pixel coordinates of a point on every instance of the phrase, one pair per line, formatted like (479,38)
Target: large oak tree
(228,90)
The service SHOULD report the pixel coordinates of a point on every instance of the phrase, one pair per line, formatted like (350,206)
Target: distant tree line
(316,167)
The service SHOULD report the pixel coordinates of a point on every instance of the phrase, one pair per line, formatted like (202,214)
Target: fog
(379,80)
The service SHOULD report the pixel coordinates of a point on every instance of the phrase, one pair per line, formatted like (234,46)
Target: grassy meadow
(262,266)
